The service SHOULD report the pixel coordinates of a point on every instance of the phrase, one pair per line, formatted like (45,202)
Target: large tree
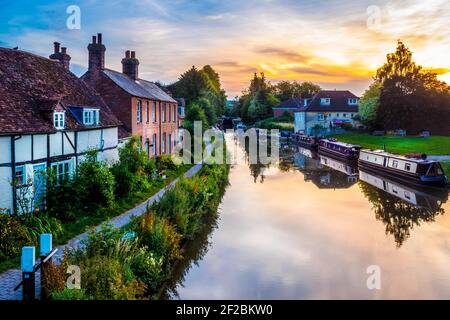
(411,98)
(285,90)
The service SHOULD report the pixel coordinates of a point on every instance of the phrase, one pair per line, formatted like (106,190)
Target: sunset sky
(338,44)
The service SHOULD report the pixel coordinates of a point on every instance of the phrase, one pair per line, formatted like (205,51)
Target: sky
(337,44)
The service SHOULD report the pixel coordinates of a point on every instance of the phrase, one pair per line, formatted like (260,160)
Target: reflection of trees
(399,216)
(193,252)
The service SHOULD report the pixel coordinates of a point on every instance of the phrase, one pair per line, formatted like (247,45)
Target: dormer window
(91,116)
(58,120)
(325,101)
(352,101)
(305,102)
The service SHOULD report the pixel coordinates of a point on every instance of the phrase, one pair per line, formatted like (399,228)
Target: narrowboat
(305,141)
(350,169)
(419,171)
(342,150)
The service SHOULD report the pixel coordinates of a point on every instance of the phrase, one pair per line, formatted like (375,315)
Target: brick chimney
(96,54)
(130,65)
(61,56)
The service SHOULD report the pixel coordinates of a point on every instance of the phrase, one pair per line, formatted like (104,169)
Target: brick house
(145,110)
(49,118)
(291,106)
(326,110)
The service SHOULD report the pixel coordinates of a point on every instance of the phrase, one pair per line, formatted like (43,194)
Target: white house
(48,119)
(326,110)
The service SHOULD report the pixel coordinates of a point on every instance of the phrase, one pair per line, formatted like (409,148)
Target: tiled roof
(32,86)
(338,101)
(139,88)
(293,103)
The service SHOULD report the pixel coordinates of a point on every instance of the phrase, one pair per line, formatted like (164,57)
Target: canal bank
(311,228)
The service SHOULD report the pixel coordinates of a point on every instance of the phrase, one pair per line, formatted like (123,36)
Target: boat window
(394,189)
(408,166)
(395,164)
(407,195)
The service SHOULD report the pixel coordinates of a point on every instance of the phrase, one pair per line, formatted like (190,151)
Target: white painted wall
(5,188)
(40,146)
(5,149)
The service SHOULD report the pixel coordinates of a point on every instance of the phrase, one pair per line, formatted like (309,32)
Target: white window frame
(139,111)
(59,119)
(325,101)
(91,117)
(64,174)
(321,117)
(24,175)
(352,101)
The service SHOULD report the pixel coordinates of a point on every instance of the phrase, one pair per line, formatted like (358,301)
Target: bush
(149,269)
(105,278)
(94,184)
(61,199)
(165,162)
(37,224)
(160,237)
(134,170)
(71,294)
(13,236)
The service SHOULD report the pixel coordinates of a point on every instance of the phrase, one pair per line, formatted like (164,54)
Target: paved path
(11,278)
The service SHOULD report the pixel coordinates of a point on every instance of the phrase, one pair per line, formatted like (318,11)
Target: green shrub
(94,184)
(160,237)
(13,236)
(61,199)
(149,269)
(164,162)
(105,278)
(71,294)
(134,169)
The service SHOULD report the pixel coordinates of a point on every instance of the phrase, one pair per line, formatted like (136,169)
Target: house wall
(312,119)
(31,151)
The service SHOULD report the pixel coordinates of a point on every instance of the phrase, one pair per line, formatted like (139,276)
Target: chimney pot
(64,50)
(56,45)
(99,38)
(94,40)
(133,54)
(127,54)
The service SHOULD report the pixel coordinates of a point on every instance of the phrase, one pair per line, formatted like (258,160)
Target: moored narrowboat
(339,149)
(420,171)
(305,141)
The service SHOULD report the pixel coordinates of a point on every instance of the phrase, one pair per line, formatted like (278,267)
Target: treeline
(205,98)
(257,101)
(404,96)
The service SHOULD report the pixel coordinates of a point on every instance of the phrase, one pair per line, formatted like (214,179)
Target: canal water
(312,228)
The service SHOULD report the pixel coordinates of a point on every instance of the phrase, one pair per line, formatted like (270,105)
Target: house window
(170,143)
(352,101)
(58,120)
(148,112)
(91,116)
(321,117)
(344,115)
(325,101)
(62,170)
(163,113)
(170,113)
(147,146)
(337,115)
(395,164)
(408,166)
(139,111)
(21,177)
(154,111)
(154,144)
(164,142)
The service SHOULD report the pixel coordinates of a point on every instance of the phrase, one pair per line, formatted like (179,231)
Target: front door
(39,171)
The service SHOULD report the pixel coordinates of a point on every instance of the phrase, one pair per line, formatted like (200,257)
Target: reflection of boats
(339,149)
(418,197)
(305,141)
(324,174)
(417,171)
(348,168)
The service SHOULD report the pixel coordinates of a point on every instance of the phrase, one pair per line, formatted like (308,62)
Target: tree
(411,98)
(369,103)
(286,90)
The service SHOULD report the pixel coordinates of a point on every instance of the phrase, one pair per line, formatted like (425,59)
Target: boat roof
(344,144)
(397,156)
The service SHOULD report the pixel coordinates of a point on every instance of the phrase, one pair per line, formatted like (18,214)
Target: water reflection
(308,227)
(400,207)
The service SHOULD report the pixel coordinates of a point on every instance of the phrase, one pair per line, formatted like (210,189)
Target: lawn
(434,145)
(280,123)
